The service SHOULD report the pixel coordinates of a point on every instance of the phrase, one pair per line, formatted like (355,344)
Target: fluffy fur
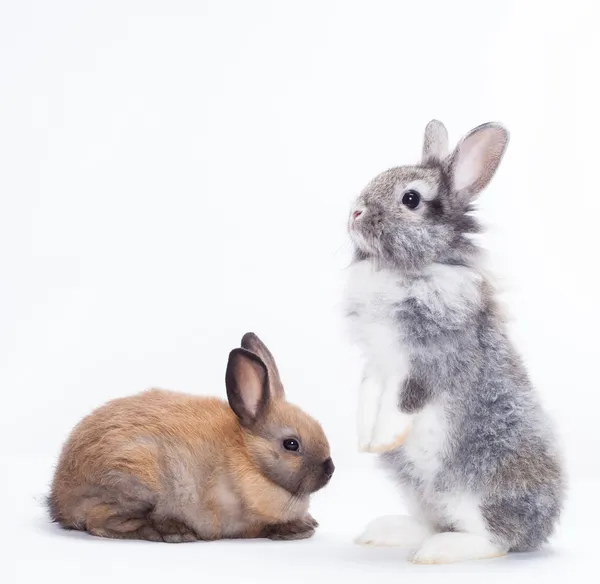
(165,466)
(479,464)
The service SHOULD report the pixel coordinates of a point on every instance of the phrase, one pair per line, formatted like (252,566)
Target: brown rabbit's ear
(252,343)
(247,383)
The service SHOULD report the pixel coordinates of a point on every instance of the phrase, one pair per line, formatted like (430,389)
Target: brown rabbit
(166,466)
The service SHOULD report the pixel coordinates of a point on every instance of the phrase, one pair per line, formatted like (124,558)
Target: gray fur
(500,444)
(435,144)
(413,396)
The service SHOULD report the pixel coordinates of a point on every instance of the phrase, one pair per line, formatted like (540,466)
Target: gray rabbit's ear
(475,161)
(435,143)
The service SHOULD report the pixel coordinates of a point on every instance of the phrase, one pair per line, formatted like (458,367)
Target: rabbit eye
(411,199)
(291,444)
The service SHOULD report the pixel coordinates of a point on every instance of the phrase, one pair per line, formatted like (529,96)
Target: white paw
(391,430)
(448,548)
(395,531)
(368,407)
(381,425)
(364,439)
(364,446)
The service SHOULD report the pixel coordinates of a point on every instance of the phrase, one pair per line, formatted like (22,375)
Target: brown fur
(166,466)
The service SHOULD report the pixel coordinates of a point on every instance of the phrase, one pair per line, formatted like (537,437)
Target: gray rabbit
(476,457)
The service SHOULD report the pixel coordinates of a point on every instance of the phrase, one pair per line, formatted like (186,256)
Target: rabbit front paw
(381,424)
(292,530)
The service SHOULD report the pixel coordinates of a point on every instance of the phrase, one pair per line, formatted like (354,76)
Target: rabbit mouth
(310,483)
(356,232)
(365,228)
(364,241)
(321,483)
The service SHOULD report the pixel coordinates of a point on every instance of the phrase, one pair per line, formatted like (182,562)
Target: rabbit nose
(356,214)
(328,468)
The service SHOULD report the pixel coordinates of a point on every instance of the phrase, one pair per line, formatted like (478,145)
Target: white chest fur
(373,297)
(373,300)
(425,444)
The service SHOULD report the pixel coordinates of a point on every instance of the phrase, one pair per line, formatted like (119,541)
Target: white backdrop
(173,174)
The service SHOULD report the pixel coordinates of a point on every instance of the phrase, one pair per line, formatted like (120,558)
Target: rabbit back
(145,459)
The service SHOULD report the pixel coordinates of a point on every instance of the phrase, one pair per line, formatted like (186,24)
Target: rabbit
(445,397)
(166,466)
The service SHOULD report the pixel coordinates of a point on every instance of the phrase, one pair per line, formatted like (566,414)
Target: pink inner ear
(250,382)
(477,159)
(471,160)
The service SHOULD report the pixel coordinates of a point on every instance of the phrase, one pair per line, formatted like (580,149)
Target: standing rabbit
(444,395)
(166,466)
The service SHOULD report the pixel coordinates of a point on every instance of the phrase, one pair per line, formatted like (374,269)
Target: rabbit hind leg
(106,520)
